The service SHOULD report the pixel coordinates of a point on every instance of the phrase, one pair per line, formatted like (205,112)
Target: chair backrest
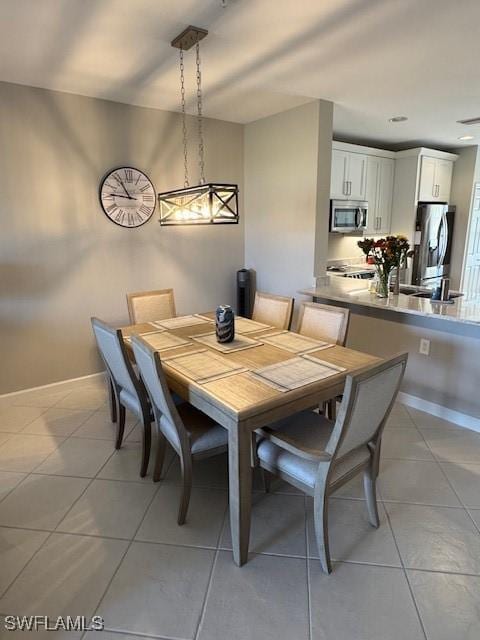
(153,376)
(323,322)
(145,306)
(367,401)
(112,349)
(273,310)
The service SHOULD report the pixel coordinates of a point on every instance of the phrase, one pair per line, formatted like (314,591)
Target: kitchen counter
(355,292)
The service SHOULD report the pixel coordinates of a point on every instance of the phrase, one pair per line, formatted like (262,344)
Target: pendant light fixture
(207,202)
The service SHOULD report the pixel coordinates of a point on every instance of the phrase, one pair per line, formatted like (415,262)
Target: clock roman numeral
(147,197)
(144,209)
(128,175)
(111,208)
(145,187)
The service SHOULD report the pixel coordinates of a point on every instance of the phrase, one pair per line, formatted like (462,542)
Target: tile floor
(82,534)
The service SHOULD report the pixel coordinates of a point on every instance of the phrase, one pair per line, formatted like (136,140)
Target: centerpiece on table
(388,254)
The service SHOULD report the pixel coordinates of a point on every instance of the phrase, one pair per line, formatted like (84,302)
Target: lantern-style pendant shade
(211,203)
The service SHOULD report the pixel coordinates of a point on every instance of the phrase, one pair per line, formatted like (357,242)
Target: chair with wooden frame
(145,306)
(318,456)
(275,311)
(191,433)
(127,390)
(324,322)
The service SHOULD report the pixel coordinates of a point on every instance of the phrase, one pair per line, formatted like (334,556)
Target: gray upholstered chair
(145,306)
(329,323)
(319,456)
(128,390)
(273,310)
(191,433)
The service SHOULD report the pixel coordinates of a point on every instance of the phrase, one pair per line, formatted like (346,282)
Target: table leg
(240,483)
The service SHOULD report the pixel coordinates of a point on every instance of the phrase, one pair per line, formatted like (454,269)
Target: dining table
(247,395)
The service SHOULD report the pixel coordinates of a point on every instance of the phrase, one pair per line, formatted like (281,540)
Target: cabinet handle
(349,188)
(345,188)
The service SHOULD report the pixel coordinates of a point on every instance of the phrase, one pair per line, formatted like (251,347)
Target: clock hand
(119,195)
(125,188)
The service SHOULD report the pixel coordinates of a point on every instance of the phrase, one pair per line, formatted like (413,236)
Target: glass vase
(383,283)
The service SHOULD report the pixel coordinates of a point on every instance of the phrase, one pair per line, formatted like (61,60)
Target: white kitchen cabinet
(349,175)
(379,194)
(435,179)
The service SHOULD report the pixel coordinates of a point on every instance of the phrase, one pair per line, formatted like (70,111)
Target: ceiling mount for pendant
(189,38)
(208,202)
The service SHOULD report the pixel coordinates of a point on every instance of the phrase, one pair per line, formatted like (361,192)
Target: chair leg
(332,409)
(186,490)
(320,508)
(120,411)
(112,401)
(370,488)
(146,445)
(160,456)
(267,480)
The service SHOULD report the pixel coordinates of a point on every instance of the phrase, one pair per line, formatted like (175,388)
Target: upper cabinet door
(371,195)
(428,186)
(357,176)
(385,194)
(443,179)
(338,180)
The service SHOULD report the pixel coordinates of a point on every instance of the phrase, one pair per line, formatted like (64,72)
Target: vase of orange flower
(388,254)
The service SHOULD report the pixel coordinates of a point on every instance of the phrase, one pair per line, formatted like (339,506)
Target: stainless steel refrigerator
(432,243)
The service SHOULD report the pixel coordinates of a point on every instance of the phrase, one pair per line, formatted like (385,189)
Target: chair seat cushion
(308,429)
(205,433)
(131,402)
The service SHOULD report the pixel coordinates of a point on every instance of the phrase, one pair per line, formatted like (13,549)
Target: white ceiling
(373,58)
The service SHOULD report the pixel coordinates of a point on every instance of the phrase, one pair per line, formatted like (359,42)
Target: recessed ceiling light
(398,119)
(466,137)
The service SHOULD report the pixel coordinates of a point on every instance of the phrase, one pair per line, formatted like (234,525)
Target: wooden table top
(240,397)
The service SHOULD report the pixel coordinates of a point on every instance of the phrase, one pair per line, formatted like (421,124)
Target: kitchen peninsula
(444,381)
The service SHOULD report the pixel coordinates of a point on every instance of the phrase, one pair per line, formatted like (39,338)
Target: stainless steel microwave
(348,216)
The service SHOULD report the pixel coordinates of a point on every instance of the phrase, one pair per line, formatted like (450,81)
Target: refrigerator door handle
(445,239)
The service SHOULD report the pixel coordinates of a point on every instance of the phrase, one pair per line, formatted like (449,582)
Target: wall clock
(127,197)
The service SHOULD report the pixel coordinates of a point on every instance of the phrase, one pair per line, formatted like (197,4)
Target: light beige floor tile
(4,437)
(266,598)
(109,508)
(453,445)
(435,538)
(210,472)
(475,514)
(465,479)
(98,425)
(8,481)
(415,481)
(78,457)
(109,635)
(41,398)
(17,546)
(404,444)
(57,422)
(353,489)
(399,409)
(427,420)
(159,590)
(25,452)
(40,502)
(399,421)
(87,397)
(205,517)
(278,525)
(125,464)
(67,576)
(351,535)
(448,605)
(360,602)
(277,485)
(14,419)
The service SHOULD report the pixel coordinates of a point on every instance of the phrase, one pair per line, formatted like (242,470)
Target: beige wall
(466,171)
(62,260)
(342,246)
(287,184)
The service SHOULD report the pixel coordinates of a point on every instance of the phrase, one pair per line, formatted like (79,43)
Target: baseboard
(53,384)
(461,419)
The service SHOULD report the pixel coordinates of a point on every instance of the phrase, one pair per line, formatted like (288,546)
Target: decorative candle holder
(224,323)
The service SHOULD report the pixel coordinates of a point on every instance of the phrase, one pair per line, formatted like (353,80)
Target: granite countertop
(465,310)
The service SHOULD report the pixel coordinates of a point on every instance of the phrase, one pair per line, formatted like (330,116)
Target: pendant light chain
(201,147)
(184,120)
